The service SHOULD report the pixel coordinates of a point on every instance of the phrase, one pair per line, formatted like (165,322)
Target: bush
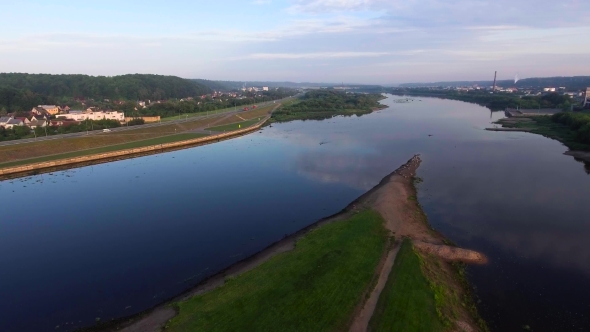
(136,121)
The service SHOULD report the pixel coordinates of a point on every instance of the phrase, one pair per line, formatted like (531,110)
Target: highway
(125,128)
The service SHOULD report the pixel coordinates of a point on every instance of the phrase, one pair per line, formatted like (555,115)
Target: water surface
(111,240)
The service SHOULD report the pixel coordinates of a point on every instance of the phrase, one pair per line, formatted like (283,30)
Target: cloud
(475,13)
(318,55)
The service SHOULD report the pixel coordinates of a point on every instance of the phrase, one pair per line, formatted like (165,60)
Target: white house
(4,120)
(13,122)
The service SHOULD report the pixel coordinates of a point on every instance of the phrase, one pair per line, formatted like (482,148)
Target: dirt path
(361,320)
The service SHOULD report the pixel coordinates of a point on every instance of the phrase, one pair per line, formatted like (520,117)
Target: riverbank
(197,133)
(319,258)
(543,125)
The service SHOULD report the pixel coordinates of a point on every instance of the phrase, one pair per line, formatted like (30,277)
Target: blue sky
(363,41)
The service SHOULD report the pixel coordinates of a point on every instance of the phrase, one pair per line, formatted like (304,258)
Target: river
(105,241)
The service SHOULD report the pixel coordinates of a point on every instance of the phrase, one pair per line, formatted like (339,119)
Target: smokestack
(495,75)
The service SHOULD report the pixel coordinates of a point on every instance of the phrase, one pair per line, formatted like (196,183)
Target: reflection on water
(113,239)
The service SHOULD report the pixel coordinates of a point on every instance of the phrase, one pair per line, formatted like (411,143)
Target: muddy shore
(394,198)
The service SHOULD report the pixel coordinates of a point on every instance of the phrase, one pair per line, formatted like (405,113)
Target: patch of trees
(578,122)
(332,100)
(21,92)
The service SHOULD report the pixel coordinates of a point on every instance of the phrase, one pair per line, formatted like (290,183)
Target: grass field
(110,148)
(315,287)
(407,302)
(235,126)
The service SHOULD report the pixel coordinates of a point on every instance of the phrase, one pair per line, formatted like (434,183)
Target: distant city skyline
(356,41)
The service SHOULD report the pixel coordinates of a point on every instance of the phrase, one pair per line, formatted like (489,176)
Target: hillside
(22,91)
(572,83)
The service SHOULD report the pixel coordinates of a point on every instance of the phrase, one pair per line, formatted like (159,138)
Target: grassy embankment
(407,302)
(110,148)
(571,135)
(26,153)
(314,287)
(318,286)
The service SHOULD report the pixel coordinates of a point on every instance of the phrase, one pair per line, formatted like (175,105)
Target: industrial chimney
(495,75)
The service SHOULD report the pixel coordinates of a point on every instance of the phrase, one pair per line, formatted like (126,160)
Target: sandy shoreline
(394,198)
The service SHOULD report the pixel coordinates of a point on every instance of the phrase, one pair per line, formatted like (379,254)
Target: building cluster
(57,116)
(255,89)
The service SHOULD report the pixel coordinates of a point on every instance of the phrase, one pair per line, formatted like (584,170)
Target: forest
(21,92)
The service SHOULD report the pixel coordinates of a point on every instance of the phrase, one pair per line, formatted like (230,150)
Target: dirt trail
(361,320)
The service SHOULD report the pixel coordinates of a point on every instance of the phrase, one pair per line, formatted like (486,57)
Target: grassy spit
(314,287)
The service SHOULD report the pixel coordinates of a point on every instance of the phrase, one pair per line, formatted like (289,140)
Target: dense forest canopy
(19,92)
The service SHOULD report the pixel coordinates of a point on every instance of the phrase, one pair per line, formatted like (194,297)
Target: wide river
(106,241)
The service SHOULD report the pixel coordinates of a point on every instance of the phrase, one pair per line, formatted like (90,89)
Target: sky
(353,41)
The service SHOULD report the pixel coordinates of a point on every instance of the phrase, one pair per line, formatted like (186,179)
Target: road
(124,128)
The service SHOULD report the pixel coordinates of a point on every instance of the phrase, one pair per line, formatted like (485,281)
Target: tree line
(496,101)
(22,92)
(579,123)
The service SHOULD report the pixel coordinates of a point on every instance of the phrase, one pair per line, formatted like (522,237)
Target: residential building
(40,111)
(587,98)
(4,120)
(37,123)
(264,88)
(95,116)
(13,123)
(63,122)
(23,119)
(51,109)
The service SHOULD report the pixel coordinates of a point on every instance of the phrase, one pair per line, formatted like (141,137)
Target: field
(25,153)
(235,126)
(407,302)
(315,287)
(110,148)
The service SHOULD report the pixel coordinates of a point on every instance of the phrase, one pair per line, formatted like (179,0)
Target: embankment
(17,171)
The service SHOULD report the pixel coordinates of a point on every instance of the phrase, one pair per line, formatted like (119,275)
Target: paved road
(124,128)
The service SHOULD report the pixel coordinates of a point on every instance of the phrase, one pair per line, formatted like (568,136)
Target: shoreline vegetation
(326,103)
(570,128)
(375,266)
